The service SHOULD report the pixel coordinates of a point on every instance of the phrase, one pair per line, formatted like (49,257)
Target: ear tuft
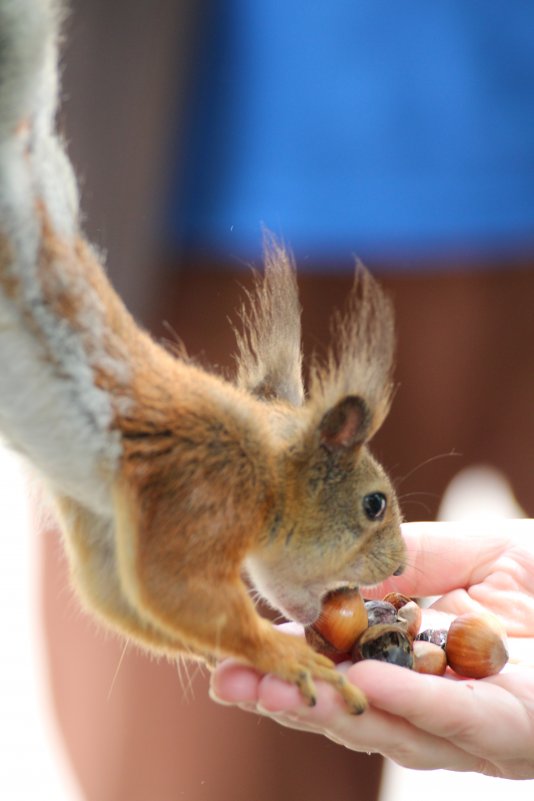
(346,425)
(269,359)
(360,360)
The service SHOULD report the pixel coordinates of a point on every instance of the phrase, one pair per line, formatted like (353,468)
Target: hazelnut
(476,645)
(388,631)
(429,658)
(396,599)
(410,616)
(342,619)
(322,646)
(386,643)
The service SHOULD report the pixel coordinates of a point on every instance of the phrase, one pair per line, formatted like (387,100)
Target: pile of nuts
(350,628)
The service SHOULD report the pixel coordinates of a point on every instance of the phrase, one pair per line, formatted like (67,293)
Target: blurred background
(402,134)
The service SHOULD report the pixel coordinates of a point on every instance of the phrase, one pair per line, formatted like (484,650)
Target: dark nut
(380,612)
(476,645)
(435,636)
(342,620)
(386,643)
(429,658)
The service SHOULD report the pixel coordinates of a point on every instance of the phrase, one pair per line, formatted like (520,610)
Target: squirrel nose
(399,571)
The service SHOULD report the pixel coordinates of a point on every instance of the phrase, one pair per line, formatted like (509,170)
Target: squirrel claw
(307,688)
(354,698)
(292,660)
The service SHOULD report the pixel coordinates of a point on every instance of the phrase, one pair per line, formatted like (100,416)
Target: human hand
(422,721)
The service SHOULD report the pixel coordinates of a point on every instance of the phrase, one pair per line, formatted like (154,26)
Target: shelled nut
(429,658)
(410,616)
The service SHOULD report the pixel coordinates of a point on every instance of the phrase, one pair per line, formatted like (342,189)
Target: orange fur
(171,481)
(207,471)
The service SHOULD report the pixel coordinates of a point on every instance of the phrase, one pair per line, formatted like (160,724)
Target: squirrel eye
(374,505)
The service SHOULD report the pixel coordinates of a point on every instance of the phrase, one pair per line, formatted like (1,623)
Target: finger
(376,731)
(463,712)
(514,609)
(521,651)
(232,683)
(444,556)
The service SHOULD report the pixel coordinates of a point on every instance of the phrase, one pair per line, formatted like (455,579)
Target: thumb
(441,557)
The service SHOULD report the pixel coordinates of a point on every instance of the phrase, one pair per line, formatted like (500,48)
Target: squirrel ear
(345,425)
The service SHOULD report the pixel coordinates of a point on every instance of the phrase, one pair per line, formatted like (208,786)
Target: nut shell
(476,645)
(342,620)
(397,599)
(385,643)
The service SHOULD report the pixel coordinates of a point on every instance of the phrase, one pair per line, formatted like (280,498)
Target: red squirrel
(169,481)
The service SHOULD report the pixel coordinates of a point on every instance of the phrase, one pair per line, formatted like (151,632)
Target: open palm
(422,721)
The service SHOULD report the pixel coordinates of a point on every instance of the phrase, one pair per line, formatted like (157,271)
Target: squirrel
(170,482)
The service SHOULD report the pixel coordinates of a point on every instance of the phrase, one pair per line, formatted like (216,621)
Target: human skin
(421,721)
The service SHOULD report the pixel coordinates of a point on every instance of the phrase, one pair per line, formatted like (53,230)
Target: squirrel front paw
(293,660)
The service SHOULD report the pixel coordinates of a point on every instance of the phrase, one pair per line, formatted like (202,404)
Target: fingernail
(214,697)
(248,706)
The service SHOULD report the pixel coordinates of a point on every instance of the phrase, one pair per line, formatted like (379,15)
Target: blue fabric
(377,127)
